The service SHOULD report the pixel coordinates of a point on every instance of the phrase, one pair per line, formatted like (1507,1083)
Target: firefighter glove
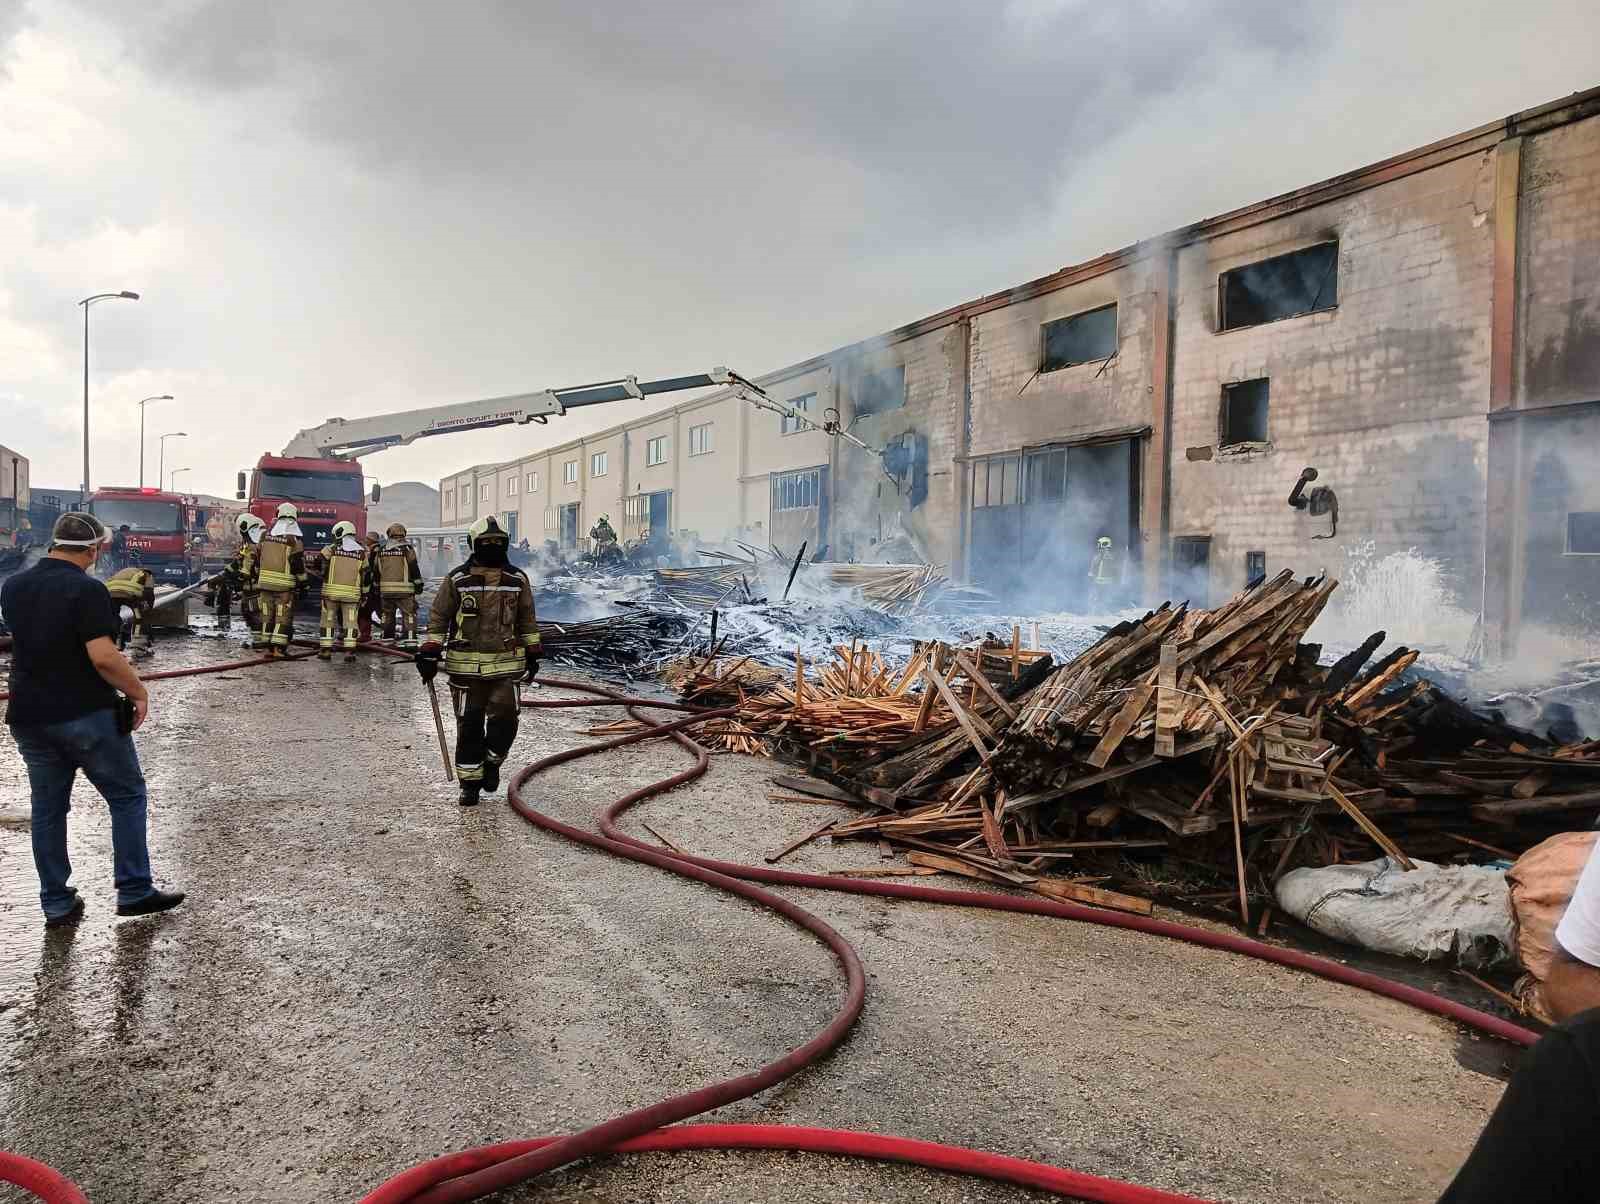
(533,666)
(427,662)
(416,587)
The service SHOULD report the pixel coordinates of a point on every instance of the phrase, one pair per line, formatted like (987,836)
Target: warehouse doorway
(1037,514)
(567,524)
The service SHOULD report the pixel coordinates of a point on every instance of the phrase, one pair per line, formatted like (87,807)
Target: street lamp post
(142,404)
(86,303)
(161,470)
(172,484)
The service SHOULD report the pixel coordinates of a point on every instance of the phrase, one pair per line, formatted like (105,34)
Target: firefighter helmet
(396,531)
(288,510)
(247,523)
(1104,541)
(486,528)
(341,529)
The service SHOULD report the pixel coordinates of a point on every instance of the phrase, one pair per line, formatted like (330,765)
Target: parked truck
(160,528)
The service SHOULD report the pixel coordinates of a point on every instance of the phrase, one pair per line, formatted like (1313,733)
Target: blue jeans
(54,752)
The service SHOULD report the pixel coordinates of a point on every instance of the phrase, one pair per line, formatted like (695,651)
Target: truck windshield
(141,517)
(309,486)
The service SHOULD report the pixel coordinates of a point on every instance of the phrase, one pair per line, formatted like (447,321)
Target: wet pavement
(366,975)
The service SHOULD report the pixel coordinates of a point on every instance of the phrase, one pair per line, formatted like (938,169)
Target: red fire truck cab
(324,491)
(158,523)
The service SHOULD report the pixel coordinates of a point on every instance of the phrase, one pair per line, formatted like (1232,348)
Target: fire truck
(159,526)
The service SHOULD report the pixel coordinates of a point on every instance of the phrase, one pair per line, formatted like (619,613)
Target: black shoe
(491,776)
(67,918)
(348,657)
(157,900)
(469,795)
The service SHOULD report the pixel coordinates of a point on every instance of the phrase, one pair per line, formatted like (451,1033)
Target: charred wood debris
(1190,755)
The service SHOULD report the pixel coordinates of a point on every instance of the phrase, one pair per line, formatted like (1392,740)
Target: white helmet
(288,510)
(341,529)
(248,522)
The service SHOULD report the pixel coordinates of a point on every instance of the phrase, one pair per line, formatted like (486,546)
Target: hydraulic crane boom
(348,438)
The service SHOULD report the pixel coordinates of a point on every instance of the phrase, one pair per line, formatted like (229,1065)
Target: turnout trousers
(341,615)
(400,619)
(486,723)
(277,618)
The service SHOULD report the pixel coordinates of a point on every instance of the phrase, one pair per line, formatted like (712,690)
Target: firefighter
(279,571)
(482,625)
(605,539)
(344,585)
(134,590)
(1102,573)
(398,579)
(234,580)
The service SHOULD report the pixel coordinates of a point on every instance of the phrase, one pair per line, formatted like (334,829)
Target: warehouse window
(447,500)
(597,464)
(569,472)
(700,439)
(655,450)
(797,490)
(1583,533)
(483,493)
(1244,413)
(792,425)
(997,482)
(533,482)
(1300,282)
(1255,569)
(1081,339)
(884,389)
(511,486)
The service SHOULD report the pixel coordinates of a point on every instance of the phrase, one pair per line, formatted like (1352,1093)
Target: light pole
(161,470)
(142,404)
(172,484)
(125,295)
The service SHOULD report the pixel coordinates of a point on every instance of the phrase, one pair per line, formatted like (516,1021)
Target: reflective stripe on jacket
(484,617)
(280,564)
(131,585)
(397,571)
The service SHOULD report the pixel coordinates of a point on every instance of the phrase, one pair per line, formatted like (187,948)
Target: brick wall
(1384,394)
(1558,266)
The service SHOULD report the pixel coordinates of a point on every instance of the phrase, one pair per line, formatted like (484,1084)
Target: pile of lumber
(898,589)
(1196,754)
(624,644)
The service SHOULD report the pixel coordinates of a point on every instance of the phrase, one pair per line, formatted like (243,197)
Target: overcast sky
(353,207)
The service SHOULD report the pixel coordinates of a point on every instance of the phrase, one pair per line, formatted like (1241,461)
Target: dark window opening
(304,486)
(1190,569)
(140,517)
(1255,569)
(1081,339)
(1583,533)
(1300,282)
(880,390)
(1244,412)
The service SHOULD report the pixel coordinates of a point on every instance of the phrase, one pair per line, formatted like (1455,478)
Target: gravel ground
(366,976)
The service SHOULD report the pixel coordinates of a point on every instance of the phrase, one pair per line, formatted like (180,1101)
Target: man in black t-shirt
(65,713)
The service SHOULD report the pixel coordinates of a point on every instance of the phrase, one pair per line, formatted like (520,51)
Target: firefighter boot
(469,794)
(491,773)
(349,655)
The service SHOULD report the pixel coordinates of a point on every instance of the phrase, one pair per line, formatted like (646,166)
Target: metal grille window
(1244,413)
(880,390)
(1284,286)
(447,500)
(655,450)
(700,439)
(997,481)
(793,426)
(636,508)
(597,464)
(797,490)
(1583,533)
(1081,339)
(549,518)
(533,482)
(569,472)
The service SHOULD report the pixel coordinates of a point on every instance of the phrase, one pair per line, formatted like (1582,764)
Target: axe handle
(438,727)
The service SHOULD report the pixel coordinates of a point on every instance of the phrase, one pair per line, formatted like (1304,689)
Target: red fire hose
(471,1174)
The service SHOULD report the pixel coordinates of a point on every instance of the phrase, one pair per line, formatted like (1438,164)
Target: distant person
(1104,575)
(280,571)
(344,588)
(134,592)
(371,604)
(66,715)
(1540,1145)
(605,539)
(398,579)
(119,547)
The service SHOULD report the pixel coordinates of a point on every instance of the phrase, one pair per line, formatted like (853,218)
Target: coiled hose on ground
(471,1174)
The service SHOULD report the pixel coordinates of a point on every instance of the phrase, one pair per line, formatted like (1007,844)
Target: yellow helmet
(396,531)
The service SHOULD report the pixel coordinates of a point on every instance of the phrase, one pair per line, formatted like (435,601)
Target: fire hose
(472,1173)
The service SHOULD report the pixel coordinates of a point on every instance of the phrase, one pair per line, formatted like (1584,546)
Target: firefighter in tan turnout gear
(399,581)
(344,582)
(279,570)
(135,590)
(483,628)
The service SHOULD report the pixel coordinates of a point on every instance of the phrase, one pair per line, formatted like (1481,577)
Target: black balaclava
(491,553)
